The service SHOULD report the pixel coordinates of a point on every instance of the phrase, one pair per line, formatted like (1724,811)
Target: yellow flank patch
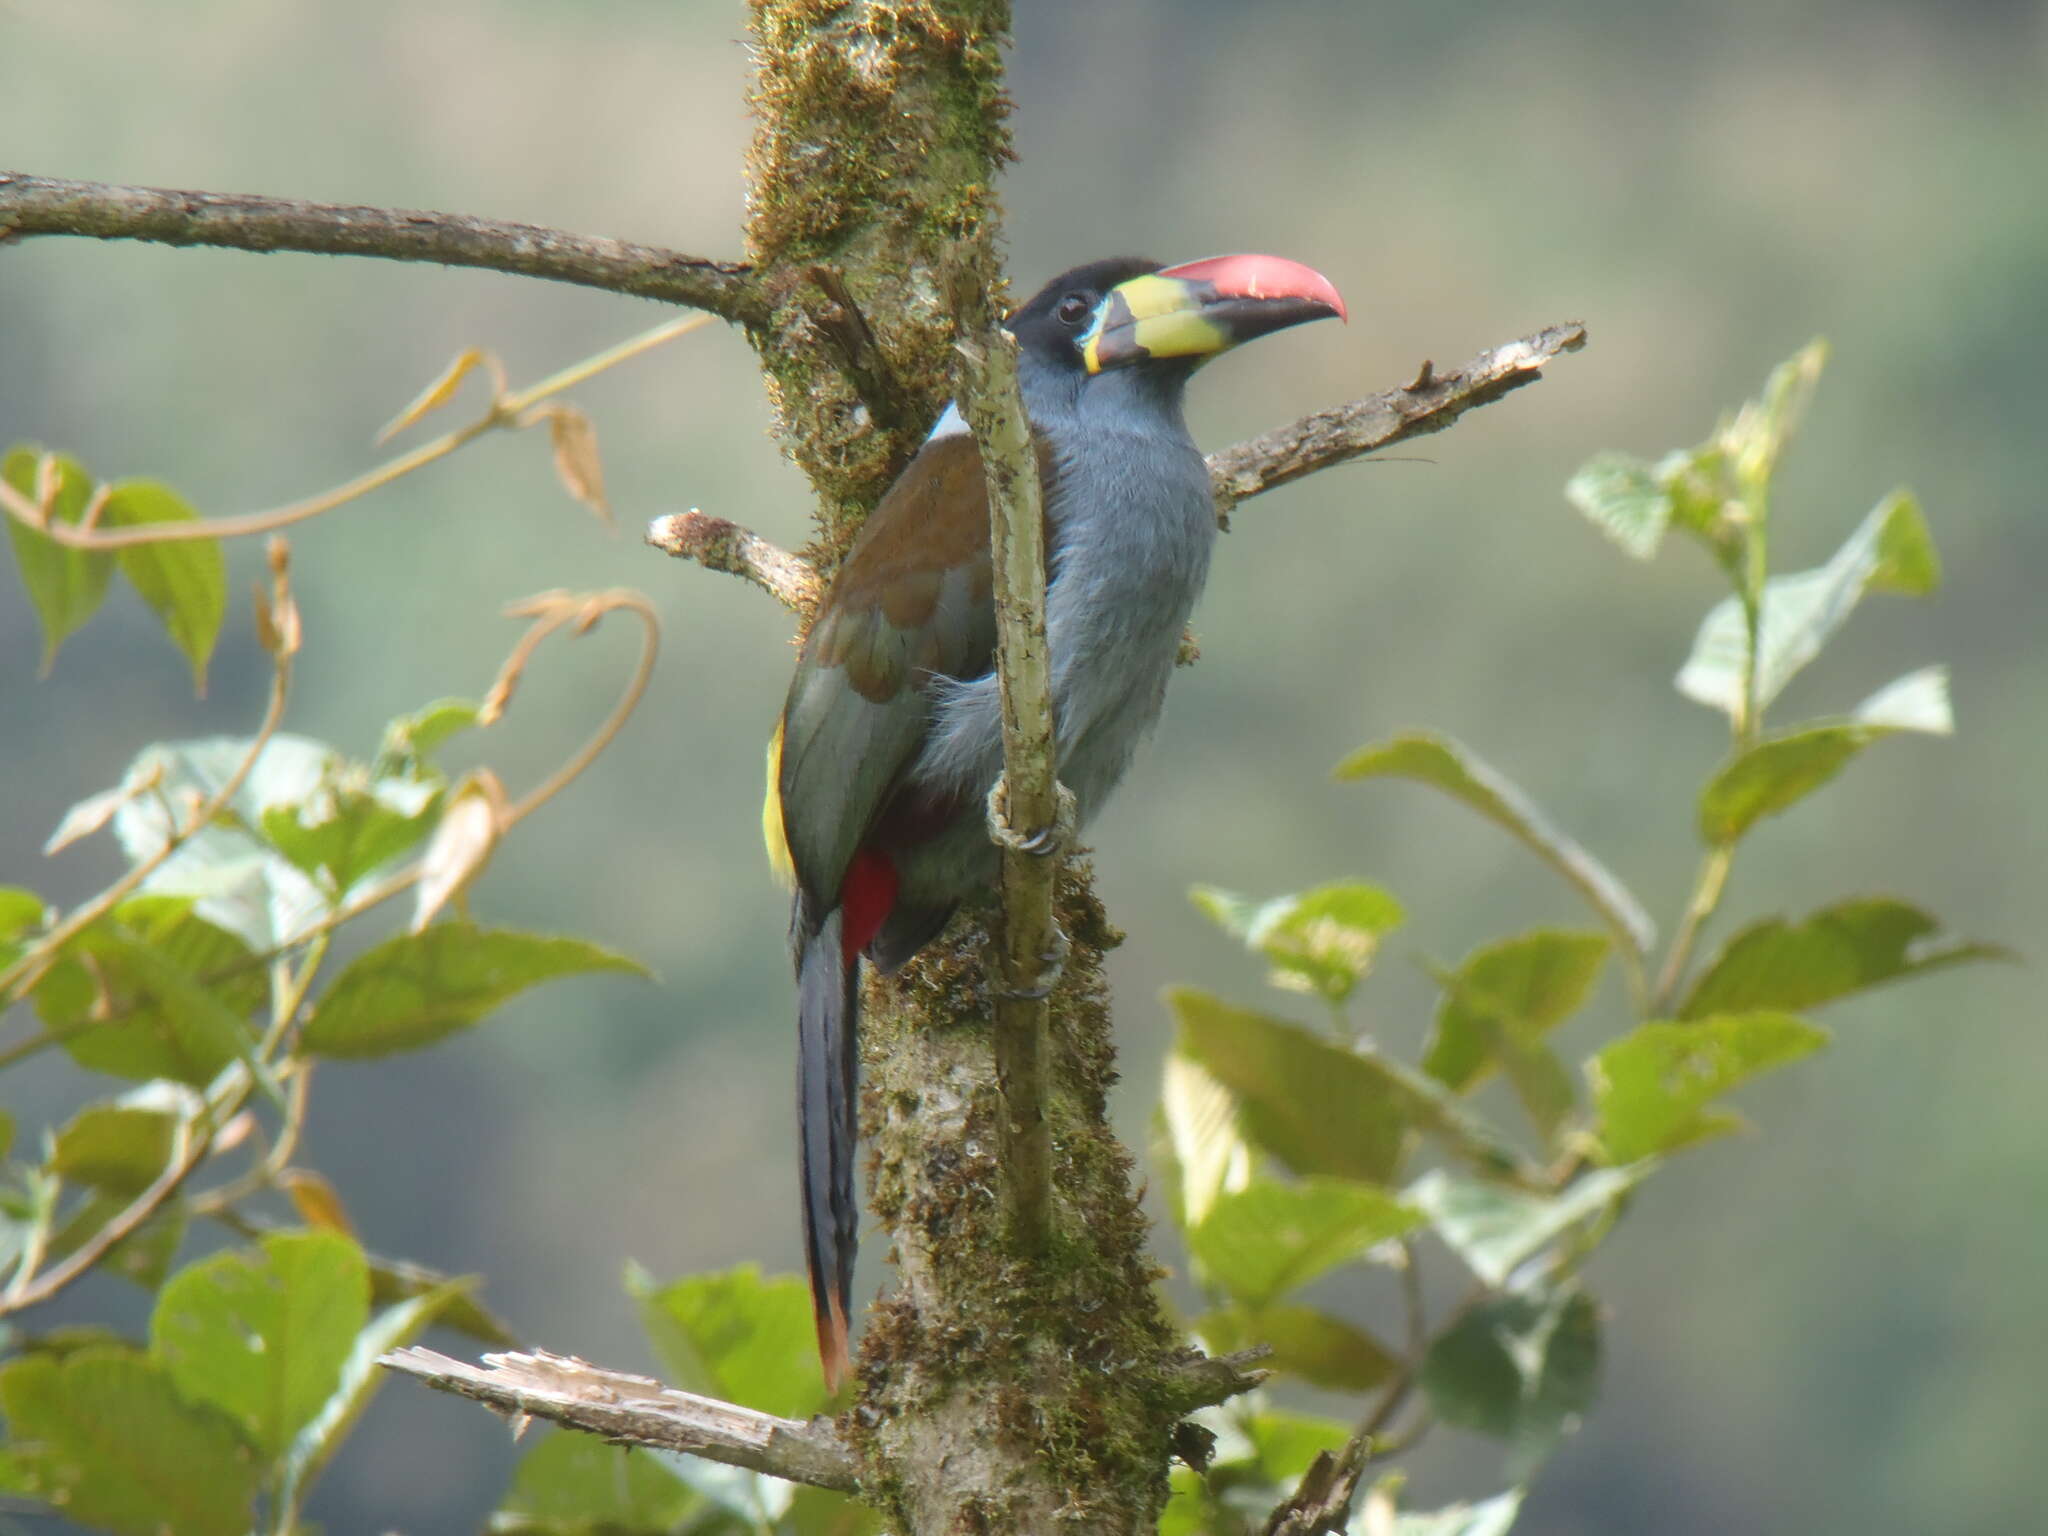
(772,831)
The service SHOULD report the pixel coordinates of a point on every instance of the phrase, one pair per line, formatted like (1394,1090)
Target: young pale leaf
(110,1445)
(440,392)
(1494,1517)
(473,819)
(115,1147)
(1209,1151)
(574,440)
(1834,952)
(241,882)
(316,1200)
(264,1337)
(66,585)
(1493,1228)
(1450,767)
(1622,497)
(576,1485)
(184,581)
(1522,1368)
(1315,1105)
(1323,1351)
(735,1334)
(415,738)
(1271,1238)
(1890,552)
(1775,775)
(1652,1085)
(1321,941)
(1509,994)
(393,1328)
(416,988)
(1916,702)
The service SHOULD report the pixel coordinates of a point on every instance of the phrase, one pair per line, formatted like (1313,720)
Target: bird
(890,739)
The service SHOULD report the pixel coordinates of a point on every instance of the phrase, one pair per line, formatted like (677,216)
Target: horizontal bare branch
(42,205)
(719,545)
(1431,402)
(637,1410)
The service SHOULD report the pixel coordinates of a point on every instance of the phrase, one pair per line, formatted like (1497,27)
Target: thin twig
(637,1410)
(718,545)
(1430,403)
(505,411)
(42,205)
(1026,811)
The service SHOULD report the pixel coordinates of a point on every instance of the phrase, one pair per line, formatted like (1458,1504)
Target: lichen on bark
(998,1390)
(881,125)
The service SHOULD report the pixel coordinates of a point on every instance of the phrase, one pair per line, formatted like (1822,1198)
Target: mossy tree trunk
(999,1390)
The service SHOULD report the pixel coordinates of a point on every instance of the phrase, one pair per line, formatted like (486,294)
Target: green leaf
(1208,1151)
(416,988)
(1522,1368)
(1775,775)
(142,1010)
(361,1376)
(143,1257)
(114,1147)
(1890,552)
(1494,1517)
(393,1281)
(1320,941)
(736,1335)
(352,826)
(66,585)
(415,738)
(1622,497)
(578,1485)
(184,581)
(1284,1445)
(1651,1085)
(1323,1351)
(1315,1105)
(264,1337)
(1756,438)
(1916,702)
(241,883)
(102,1436)
(1832,953)
(20,912)
(1450,767)
(1504,994)
(1270,1238)
(1493,1228)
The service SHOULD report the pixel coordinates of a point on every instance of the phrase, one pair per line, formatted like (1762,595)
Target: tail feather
(828,1065)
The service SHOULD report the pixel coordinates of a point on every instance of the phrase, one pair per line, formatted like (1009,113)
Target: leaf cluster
(1314,1176)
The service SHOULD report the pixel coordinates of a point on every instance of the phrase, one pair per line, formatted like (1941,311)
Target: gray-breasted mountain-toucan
(891,739)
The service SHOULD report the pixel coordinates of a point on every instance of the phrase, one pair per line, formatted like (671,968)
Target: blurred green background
(1835,1326)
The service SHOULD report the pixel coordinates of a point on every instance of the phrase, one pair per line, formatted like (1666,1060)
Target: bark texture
(1000,1388)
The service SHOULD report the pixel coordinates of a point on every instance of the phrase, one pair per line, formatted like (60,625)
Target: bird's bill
(1200,308)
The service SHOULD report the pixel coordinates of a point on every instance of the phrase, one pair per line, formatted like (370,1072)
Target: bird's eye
(1075,308)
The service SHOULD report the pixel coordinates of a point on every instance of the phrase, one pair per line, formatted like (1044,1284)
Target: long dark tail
(828,1069)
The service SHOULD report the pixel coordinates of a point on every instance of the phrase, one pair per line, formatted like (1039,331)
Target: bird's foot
(1046,842)
(1052,965)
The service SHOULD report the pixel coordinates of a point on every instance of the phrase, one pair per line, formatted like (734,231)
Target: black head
(1126,311)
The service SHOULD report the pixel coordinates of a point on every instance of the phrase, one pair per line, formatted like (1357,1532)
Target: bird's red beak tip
(1255,276)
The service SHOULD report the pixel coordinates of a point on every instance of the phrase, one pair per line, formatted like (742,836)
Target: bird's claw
(1052,966)
(1044,843)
